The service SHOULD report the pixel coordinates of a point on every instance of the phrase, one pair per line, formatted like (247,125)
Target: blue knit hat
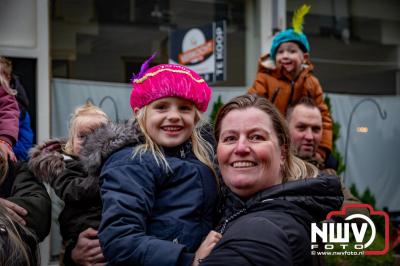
(289,36)
(293,35)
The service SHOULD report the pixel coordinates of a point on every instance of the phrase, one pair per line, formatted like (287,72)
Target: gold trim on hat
(152,74)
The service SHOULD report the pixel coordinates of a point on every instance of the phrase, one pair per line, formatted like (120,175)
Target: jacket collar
(106,140)
(181,151)
(266,64)
(317,196)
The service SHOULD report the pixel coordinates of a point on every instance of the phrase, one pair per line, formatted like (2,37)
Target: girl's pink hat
(168,80)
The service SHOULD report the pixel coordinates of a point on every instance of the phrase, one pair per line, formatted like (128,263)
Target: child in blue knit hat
(285,75)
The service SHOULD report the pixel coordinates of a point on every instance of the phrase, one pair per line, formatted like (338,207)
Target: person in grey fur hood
(71,168)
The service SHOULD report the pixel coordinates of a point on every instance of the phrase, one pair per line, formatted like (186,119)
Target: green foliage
(216,106)
(354,191)
(379,243)
(368,198)
(336,136)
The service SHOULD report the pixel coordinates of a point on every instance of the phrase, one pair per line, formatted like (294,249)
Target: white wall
(24,31)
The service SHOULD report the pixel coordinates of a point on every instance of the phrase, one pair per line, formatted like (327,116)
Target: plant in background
(368,198)
(336,136)
(216,106)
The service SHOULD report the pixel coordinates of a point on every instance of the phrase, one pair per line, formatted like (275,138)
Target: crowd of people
(166,187)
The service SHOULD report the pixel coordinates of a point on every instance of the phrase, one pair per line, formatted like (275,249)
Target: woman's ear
(136,110)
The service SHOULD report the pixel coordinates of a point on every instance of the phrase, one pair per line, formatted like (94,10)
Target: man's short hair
(307,101)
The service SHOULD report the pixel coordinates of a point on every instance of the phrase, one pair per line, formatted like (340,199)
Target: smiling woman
(245,171)
(271,197)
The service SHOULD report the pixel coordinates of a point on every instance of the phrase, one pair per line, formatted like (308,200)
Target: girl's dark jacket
(273,226)
(152,215)
(76,180)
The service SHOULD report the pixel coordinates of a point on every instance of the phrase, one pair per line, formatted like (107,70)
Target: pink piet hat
(168,80)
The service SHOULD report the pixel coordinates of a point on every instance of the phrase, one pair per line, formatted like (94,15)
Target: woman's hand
(206,246)
(6,151)
(87,251)
(16,211)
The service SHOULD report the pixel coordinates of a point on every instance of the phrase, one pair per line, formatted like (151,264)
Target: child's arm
(260,85)
(73,184)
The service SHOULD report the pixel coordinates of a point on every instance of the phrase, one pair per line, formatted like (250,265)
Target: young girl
(159,198)
(57,162)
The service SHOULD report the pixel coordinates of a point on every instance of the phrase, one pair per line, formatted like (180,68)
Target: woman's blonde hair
(18,246)
(82,115)
(293,167)
(5,75)
(202,149)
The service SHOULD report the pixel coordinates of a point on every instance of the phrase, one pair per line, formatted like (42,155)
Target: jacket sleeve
(73,184)
(325,147)
(256,242)
(128,193)
(25,138)
(260,85)
(30,194)
(9,117)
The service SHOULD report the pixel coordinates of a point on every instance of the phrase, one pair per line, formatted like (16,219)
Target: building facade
(355,44)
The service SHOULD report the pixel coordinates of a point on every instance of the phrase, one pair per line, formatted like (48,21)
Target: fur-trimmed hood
(266,64)
(105,141)
(48,160)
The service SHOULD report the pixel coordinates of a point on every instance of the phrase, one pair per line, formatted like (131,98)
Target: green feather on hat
(293,35)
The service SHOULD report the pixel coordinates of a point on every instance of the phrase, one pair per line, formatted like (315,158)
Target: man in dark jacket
(305,129)
(26,199)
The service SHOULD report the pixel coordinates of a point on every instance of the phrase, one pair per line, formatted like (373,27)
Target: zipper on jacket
(229,219)
(183,155)
(274,94)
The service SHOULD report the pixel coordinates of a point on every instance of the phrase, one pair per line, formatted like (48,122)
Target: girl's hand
(206,246)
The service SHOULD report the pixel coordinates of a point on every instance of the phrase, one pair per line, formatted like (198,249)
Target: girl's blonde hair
(5,75)
(18,246)
(293,167)
(82,115)
(202,149)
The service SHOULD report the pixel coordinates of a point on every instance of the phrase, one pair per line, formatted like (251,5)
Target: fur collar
(107,140)
(266,62)
(48,161)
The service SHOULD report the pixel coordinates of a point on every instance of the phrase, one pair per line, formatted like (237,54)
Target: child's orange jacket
(281,90)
